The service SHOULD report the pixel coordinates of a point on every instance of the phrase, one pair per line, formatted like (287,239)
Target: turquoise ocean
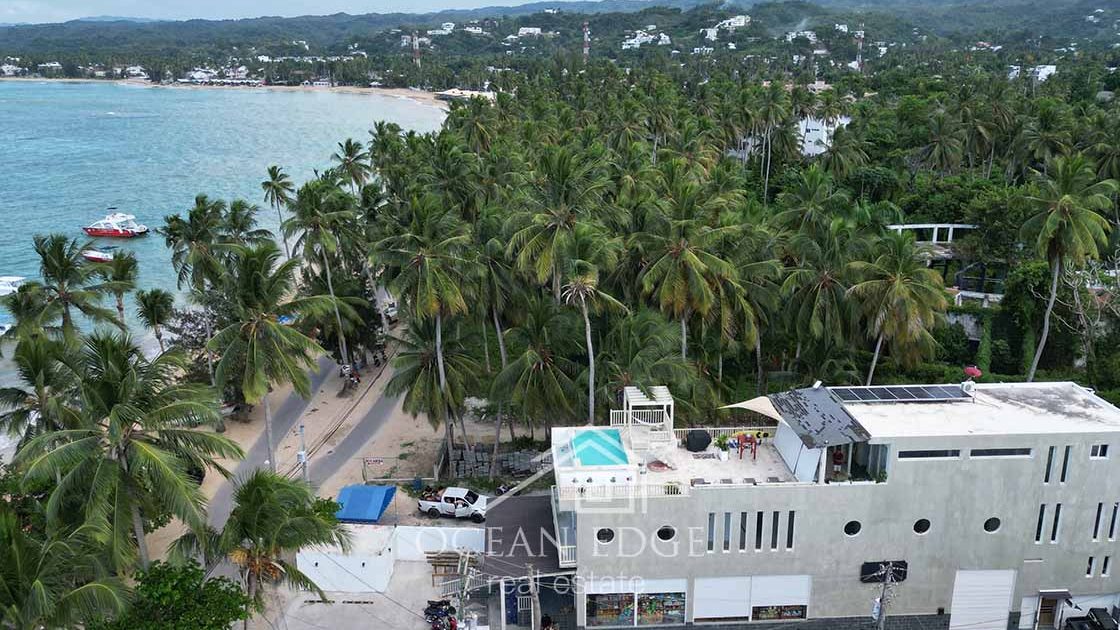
(69,151)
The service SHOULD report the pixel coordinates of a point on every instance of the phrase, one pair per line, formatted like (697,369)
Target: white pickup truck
(457,502)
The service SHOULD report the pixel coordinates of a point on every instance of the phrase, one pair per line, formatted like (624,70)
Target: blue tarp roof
(364,504)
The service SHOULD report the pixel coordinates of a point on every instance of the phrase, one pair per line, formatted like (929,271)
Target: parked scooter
(441,614)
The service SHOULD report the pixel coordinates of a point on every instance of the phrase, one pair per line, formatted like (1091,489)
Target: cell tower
(586,43)
(416,48)
(859,47)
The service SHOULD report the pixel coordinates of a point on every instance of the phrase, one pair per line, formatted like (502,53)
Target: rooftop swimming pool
(599,447)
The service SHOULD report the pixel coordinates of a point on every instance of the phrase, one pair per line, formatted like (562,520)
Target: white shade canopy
(761,405)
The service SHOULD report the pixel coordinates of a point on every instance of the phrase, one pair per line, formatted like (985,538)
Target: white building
(438,31)
(529,31)
(636,41)
(710,34)
(1038,73)
(809,35)
(703,50)
(987,507)
(474,30)
(816,135)
(843,28)
(732,23)
(9,70)
(663,40)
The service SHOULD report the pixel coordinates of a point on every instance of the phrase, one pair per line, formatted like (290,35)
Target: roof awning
(761,405)
(1055,593)
(815,413)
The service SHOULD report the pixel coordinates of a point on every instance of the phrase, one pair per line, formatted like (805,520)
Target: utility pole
(303,456)
(887,571)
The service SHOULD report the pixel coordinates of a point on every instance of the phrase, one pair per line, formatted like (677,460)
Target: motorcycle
(441,615)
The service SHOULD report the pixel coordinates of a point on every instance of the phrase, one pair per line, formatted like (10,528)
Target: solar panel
(901,393)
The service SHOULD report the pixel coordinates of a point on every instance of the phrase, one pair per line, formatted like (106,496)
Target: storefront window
(777,613)
(660,608)
(612,609)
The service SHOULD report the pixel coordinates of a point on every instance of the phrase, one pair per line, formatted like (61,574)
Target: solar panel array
(901,393)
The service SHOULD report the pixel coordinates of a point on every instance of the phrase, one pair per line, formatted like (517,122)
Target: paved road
(326,463)
(284,418)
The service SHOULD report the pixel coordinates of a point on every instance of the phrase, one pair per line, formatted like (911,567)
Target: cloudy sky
(61,10)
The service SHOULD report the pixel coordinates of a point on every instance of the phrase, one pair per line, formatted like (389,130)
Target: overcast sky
(62,10)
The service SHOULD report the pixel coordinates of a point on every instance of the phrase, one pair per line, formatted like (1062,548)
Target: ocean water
(68,151)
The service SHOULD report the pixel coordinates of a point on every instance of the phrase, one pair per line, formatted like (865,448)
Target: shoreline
(420,97)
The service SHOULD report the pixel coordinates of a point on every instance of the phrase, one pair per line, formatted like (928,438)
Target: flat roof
(995,409)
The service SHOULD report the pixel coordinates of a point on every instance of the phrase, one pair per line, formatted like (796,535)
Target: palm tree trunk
(159,338)
(280,218)
(206,348)
(450,414)
(250,593)
(590,364)
(875,358)
(501,337)
(758,360)
(1056,266)
(138,531)
(337,316)
(512,422)
(766,181)
(268,433)
(486,346)
(684,336)
(497,441)
(120,308)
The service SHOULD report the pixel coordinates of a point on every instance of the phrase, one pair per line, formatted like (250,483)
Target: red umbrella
(973,372)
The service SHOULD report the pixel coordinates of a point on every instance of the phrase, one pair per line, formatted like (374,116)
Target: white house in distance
(710,34)
(529,31)
(1038,73)
(809,35)
(643,37)
(732,23)
(816,134)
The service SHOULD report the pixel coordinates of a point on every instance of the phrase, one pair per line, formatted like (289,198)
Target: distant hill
(115,18)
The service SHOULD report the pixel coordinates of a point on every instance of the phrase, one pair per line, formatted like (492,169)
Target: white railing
(936,227)
(715,432)
(567,555)
(622,491)
(641,417)
(452,588)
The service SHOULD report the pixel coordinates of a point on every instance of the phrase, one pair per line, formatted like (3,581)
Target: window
(852,528)
(992,525)
(471,497)
(774,530)
(758,532)
(1057,522)
(604,535)
(1112,521)
(666,533)
(789,531)
(1089,568)
(1041,521)
(742,531)
(655,609)
(777,613)
(1000,452)
(727,531)
(1099,451)
(1106,566)
(1065,463)
(1049,463)
(921,526)
(930,454)
(711,531)
(1097,521)
(610,609)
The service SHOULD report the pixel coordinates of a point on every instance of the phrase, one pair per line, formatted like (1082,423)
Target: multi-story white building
(987,507)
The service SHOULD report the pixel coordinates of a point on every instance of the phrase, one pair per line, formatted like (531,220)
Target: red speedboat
(116,225)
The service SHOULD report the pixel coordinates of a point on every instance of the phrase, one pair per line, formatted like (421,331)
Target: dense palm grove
(591,229)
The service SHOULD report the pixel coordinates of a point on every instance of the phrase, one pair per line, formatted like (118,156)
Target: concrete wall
(411,543)
(956,495)
(337,572)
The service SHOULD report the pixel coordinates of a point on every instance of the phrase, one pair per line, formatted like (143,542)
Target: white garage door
(981,600)
(721,598)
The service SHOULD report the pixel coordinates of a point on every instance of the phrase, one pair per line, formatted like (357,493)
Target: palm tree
(32,312)
(810,202)
(239,224)
(273,518)
(773,110)
(136,442)
(68,280)
(815,289)
(154,307)
(946,143)
(582,290)
(278,193)
(845,153)
(351,158)
(54,582)
(261,288)
(641,350)
(428,267)
(43,400)
(321,215)
(1067,228)
(902,298)
(120,275)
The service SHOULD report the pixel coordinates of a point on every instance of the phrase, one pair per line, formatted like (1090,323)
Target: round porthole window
(921,526)
(604,535)
(666,533)
(991,525)
(852,528)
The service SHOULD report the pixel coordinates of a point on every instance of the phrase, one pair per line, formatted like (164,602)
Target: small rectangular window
(727,531)
(774,530)
(1097,521)
(711,531)
(742,531)
(1099,451)
(758,532)
(1000,452)
(1090,566)
(1106,566)
(789,531)
(1057,523)
(1065,464)
(1041,522)
(1112,521)
(930,454)
(1049,463)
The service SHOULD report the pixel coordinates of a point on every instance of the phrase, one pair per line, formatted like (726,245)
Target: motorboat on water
(116,225)
(103,255)
(10,284)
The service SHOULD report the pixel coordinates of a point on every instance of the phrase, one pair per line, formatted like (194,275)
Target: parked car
(457,502)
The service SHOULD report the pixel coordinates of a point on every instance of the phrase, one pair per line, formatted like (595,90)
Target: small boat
(98,255)
(10,284)
(116,225)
